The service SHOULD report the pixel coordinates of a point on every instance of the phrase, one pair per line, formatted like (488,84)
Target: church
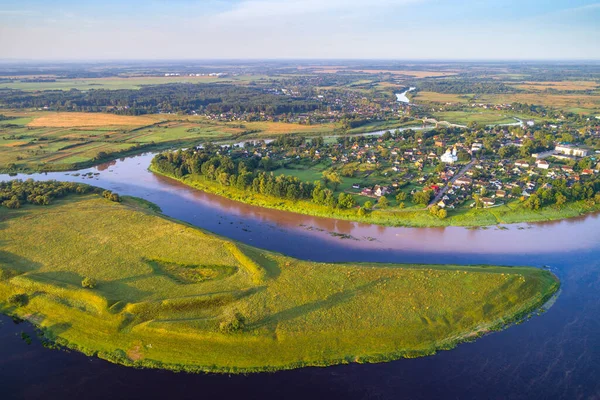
(450,157)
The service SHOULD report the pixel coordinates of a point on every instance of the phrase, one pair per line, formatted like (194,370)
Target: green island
(110,276)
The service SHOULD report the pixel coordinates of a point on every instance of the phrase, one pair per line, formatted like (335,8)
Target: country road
(442,192)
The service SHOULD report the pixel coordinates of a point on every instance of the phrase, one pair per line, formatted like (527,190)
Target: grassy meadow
(168,295)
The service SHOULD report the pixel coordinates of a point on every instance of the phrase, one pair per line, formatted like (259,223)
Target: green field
(481,117)
(51,141)
(116,83)
(168,295)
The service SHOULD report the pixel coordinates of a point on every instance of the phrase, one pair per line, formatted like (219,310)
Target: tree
(368,205)
(18,300)
(422,198)
(88,283)
(346,201)
(383,202)
(442,214)
(335,179)
(534,202)
(560,200)
(233,321)
(400,197)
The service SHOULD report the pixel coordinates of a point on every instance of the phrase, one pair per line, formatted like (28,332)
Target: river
(555,355)
(402,97)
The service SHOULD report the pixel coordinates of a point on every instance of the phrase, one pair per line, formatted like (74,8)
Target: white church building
(449,157)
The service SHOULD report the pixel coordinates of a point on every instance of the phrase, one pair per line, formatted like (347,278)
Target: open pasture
(171,296)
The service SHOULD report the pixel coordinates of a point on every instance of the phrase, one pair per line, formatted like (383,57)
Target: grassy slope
(146,310)
(506,214)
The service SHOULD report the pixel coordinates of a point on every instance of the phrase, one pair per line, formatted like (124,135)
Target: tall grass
(292,313)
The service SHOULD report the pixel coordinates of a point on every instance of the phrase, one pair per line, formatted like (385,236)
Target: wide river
(555,355)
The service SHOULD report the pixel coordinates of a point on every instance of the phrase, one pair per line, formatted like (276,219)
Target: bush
(18,300)
(233,321)
(88,283)
(383,202)
(111,196)
(6,274)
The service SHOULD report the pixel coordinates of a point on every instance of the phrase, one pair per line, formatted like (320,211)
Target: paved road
(442,192)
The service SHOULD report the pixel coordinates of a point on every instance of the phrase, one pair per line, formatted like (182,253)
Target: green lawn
(171,296)
(481,117)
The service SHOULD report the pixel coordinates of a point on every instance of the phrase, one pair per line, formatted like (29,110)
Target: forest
(176,97)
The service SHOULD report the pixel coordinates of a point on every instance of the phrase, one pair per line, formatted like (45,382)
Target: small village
(456,170)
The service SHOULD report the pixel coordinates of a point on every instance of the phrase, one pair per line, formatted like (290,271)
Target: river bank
(510,213)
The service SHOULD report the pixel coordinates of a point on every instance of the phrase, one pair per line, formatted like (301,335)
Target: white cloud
(272,8)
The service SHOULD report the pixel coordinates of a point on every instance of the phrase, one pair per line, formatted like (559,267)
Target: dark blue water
(555,355)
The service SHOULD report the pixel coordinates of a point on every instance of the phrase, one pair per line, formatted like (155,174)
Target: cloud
(16,13)
(249,9)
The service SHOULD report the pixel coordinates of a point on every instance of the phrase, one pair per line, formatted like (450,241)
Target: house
(488,201)
(463,181)
(356,186)
(542,164)
(523,164)
(476,147)
(441,204)
(449,157)
(500,194)
(567,169)
(367,192)
(380,190)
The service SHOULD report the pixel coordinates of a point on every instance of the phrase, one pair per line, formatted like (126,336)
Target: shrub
(18,300)
(383,202)
(233,321)
(88,283)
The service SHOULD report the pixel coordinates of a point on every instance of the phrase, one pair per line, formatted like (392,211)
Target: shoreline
(474,218)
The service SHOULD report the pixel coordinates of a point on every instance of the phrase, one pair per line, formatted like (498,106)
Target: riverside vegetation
(117,280)
(391,179)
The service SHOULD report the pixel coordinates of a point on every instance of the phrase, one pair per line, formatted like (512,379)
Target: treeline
(15,193)
(465,86)
(176,97)
(247,174)
(559,193)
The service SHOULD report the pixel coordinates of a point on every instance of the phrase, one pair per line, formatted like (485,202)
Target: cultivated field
(78,119)
(39,140)
(439,97)
(559,85)
(115,83)
(171,296)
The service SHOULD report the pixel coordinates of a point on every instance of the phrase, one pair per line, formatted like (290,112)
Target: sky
(300,29)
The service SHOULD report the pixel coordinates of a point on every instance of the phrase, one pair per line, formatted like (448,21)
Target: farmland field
(115,83)
(43,140)
(167,295)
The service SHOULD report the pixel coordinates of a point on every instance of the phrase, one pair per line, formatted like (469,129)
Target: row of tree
(250,174)
(15,193)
